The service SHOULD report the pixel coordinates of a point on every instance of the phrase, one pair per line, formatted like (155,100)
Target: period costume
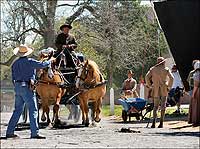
(157,79)
(129,88)
(194,109)
(65,42)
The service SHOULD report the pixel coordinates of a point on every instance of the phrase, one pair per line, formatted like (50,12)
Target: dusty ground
(176,134)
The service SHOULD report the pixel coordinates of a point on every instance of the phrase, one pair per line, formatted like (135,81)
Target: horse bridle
(85,68)
(81,68)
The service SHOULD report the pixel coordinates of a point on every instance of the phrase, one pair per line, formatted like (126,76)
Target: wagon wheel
(124,115)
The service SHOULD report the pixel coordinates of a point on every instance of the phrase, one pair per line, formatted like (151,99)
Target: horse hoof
(50,126)
(83,122)
(87,124)
(58,121)
(93,124)
(97,120)
(48,121)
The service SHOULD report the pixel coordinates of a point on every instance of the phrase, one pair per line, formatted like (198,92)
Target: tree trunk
(110,70)
(49,38)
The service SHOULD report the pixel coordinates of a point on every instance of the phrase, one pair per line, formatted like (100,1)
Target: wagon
(134,107)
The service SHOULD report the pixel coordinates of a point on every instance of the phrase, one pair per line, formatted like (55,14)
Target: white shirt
(177,80)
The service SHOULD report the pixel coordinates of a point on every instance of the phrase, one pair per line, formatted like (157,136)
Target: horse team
(89,84)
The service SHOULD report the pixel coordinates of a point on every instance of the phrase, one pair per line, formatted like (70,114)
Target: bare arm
(148,78)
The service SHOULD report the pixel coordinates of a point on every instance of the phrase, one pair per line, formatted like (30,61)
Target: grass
(106,110)
(118,111)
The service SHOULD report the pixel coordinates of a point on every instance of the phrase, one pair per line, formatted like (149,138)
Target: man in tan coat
(159,79)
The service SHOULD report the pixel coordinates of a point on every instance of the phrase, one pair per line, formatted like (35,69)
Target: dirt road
(176,134)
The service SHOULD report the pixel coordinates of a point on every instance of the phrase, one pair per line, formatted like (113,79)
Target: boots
(160,125)
(162,119)
(153,123)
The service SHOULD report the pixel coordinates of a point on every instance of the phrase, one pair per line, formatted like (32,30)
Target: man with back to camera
(156,78)
(23,76)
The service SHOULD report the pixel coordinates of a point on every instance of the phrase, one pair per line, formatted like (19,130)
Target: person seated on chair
(65,44)
(177,84)
(129,86)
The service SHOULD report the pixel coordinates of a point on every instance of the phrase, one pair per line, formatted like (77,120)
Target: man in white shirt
(177,83)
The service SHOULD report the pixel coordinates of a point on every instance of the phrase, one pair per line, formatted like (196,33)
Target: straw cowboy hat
(22,51)
(160,60)
(65,25)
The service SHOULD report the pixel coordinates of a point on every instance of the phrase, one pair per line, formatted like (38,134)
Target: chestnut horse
(49,91)
(93,88)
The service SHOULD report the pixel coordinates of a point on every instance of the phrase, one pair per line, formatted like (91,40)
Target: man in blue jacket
(23,73)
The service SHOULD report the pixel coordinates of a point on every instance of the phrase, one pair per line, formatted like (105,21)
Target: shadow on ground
(196,134)
(168,117)
(43,125)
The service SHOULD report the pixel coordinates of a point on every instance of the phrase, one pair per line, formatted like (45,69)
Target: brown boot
(162,119)
(160,125)
(153,124)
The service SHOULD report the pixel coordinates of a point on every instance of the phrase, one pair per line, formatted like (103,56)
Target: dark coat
(65,39)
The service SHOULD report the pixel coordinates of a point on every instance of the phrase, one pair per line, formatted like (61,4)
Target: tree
(120,32)
(41,20)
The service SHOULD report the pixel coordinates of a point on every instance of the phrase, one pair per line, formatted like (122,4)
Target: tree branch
(38,12)
(69,4)
(31,29)
(31,12)
(79,12)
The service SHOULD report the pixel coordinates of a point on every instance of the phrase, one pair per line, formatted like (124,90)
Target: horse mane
(96,74)
(94,66)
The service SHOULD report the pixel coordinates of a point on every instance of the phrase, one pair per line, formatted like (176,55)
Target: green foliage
(5,72)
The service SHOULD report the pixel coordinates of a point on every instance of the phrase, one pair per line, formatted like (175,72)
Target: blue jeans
(24,95)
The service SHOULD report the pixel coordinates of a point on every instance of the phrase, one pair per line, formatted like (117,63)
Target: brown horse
(93,88)
(50,93)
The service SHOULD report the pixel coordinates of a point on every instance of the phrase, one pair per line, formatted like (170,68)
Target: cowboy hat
(160,60)
(65,25)
(22,51)
(197,65)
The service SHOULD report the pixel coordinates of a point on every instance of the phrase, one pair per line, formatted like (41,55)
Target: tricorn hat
(22,51)
(65,25)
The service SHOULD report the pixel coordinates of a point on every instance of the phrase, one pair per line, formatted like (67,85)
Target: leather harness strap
(49,83)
